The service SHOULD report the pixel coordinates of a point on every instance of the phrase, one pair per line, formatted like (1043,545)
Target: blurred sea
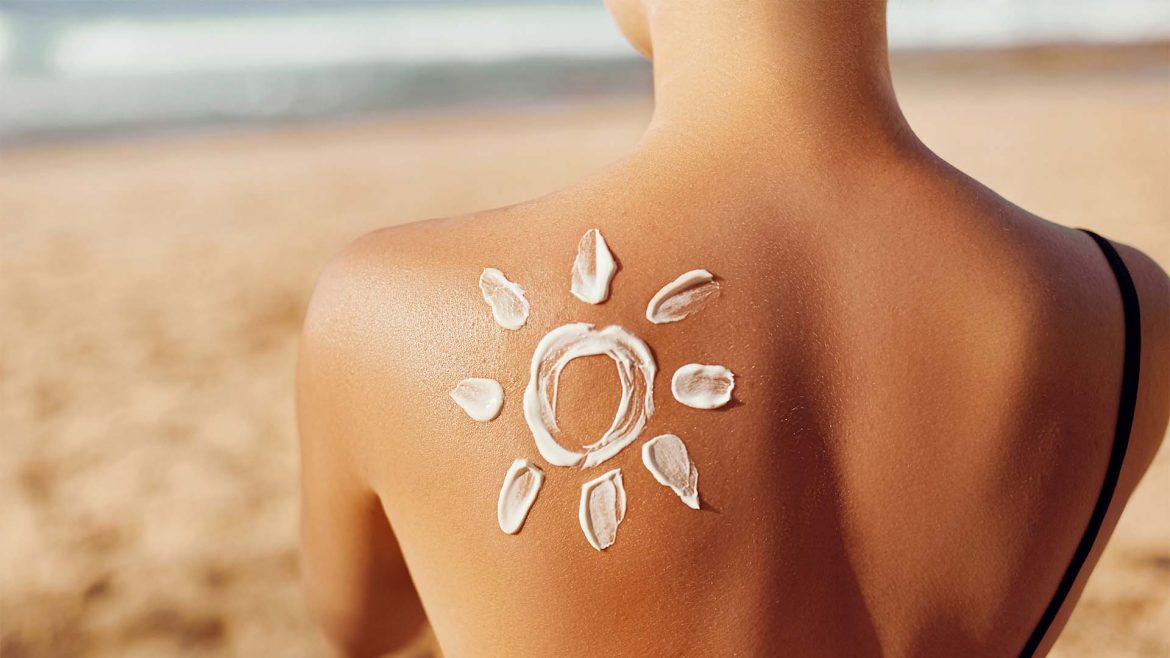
(85,66)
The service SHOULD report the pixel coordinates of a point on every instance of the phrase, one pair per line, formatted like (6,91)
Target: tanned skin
(927,383)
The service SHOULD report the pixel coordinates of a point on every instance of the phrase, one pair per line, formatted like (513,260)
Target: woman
(929,406)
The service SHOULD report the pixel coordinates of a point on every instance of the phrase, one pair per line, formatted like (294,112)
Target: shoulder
(382,316)
(340,310)
(373,286)
(366,309)
(368,264)
(391,283)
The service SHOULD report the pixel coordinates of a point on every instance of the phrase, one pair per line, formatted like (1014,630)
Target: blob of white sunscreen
(685,295)
(702,387)
(666,458)
(603,506)
(635,367)
(506,298)
(593,268)
(521,484)
(481,398)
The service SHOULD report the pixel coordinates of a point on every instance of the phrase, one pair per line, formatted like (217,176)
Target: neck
(783,75)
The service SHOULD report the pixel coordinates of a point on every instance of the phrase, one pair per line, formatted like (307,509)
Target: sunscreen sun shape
(602,506)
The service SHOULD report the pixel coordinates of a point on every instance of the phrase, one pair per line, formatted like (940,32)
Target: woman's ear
(630,16)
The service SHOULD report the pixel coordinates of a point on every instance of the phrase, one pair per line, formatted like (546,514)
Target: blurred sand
(151,292)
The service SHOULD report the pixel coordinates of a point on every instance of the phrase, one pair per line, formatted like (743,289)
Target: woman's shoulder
(395,266)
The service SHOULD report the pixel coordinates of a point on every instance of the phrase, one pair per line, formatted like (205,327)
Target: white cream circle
(636,369)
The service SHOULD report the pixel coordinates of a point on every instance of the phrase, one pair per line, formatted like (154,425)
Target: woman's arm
(354,576)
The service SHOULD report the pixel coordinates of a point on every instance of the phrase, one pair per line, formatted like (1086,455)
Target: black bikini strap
(1129,389)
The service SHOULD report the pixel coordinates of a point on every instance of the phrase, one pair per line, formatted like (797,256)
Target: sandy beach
(152,290)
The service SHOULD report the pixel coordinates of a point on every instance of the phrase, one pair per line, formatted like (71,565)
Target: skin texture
(927,382)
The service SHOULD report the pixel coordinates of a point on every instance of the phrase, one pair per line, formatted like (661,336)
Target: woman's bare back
(924,406)
(926,386)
